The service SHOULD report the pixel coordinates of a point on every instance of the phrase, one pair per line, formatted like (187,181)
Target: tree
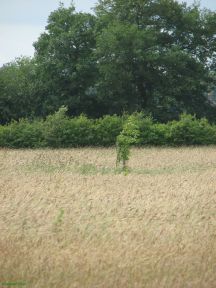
(156,55)
(129,136)
(64,55)
(18,92)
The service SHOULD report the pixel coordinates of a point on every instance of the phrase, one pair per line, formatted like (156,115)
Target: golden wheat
(69,219)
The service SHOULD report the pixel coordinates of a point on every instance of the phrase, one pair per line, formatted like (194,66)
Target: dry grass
(69,219)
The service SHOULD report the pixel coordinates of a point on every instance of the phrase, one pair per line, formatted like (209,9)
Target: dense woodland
(155,56)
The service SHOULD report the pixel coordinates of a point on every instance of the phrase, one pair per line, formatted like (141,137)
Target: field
(68,218)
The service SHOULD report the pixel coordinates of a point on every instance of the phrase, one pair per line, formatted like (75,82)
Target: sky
(22,22)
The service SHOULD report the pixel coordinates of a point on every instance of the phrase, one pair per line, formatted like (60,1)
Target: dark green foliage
(191,131)
(65,61)
(156,56)
(159,135)
(22,134)
(107,129)
(61,131)
(18,90)
(153,133)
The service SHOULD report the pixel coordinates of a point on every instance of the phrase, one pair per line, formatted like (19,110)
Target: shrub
(160,134)
(54,128)
(22,134)
(60,131)
(145,126)
(107,129)
(80,132)
(191,131)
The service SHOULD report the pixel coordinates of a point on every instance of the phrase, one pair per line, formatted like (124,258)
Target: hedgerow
(60,131)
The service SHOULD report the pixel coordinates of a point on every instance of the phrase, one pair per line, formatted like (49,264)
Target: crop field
(69,218)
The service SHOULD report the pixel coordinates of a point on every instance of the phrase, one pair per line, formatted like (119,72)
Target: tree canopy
(156,56)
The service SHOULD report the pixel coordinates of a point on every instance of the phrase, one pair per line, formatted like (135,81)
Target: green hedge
(22,134)
(60,131)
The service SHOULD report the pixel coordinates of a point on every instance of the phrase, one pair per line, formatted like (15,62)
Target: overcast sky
(22,21)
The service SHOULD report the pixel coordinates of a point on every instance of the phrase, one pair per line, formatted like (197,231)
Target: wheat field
(68,218)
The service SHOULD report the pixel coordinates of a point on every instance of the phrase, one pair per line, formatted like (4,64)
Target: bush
(60,131)
(80,132)
(107,129)
(160,134)
(22,134)
(191,131)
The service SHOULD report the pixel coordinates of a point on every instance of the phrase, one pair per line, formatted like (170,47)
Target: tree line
(156,56)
